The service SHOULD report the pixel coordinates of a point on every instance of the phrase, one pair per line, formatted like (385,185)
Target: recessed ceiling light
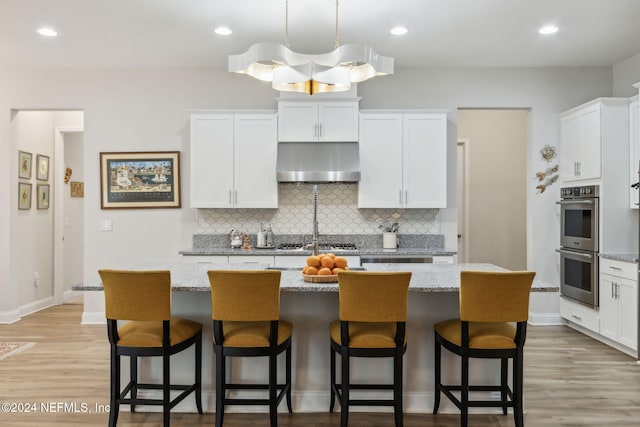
(548,29)
(223,31)
(398,31)
(47,32)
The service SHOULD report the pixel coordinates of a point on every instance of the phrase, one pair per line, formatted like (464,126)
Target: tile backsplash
(337,214)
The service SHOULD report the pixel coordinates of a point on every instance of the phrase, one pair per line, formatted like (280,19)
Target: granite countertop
(357,252)
(192,277)
(631,257)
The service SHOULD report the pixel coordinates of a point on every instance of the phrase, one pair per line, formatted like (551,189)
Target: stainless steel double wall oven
(579,208)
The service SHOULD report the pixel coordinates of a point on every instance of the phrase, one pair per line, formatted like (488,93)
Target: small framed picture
(24,162)
(43,196)
(77,189)
(42,173)
(24,196)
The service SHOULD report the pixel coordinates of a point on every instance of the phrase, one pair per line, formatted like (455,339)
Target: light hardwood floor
(570,380)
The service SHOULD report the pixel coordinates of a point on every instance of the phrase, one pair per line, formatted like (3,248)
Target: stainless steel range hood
(318,162)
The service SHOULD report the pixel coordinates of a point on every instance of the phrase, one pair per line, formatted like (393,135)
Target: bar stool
(246,323)
(372,323)
(143,298)
(489,303)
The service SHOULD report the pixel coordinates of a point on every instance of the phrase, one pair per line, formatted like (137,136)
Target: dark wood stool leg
(198,381)
(133,377)
(504,369)
(273,389)
(166,388)
(288,377)
(518,367)
(436,375)
(464,392)
(114,399)
(397,387)
(220,383)
(344,388)
(332,358)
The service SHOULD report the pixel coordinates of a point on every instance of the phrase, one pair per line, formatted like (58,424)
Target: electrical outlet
(36,279)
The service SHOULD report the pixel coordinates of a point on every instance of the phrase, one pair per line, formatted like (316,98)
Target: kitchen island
(311,307)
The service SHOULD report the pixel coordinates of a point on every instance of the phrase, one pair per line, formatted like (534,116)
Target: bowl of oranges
(324,268)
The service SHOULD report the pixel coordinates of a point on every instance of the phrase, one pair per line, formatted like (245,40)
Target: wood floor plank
(570,380)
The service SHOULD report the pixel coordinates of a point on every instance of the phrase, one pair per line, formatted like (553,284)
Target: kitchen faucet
(314,241)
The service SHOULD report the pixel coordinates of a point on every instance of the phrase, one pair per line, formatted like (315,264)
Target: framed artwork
(140,180)
(77,189)
(43,196)
(24,196)
(42,163)
(24,164)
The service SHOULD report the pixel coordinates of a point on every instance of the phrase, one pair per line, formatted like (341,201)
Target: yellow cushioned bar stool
(490,303)
(143,300)
(246,323)
(372,323)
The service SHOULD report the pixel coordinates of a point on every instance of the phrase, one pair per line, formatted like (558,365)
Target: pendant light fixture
(290,71)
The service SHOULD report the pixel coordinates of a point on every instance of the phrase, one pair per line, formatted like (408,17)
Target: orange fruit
(337,270)
(312,271)
(327,262)
(332,255)
(340,262)
(324,272)
(313,261)
(304,269)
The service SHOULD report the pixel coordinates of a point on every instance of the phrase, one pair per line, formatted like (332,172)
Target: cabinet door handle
(615,268)
(320,130)
(400,197)
(235,196)
(579,168)
(613,294)
(617,291)
(229,197)
(576,317)
(406,197)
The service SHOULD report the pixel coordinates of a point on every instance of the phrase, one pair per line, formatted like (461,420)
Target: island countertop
(425,278)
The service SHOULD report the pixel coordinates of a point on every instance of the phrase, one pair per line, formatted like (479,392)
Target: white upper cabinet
(318,120)
(233,160)
(634,149)
(588,131)
(403,160)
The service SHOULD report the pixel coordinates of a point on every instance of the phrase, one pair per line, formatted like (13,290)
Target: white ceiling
(442,33)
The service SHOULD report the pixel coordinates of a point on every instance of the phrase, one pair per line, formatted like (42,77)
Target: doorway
(492,186)
(69,212)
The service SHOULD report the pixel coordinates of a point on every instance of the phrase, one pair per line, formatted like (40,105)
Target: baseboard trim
(545,319)
(93,318)
(15,315)
(11,316)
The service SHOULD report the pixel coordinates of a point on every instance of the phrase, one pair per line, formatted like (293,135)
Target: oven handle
(574,201)
(566,252)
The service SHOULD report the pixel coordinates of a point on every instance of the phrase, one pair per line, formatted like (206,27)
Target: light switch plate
(106,225)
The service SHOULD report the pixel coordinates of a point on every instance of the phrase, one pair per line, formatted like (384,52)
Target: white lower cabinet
(580,314)
(619,302)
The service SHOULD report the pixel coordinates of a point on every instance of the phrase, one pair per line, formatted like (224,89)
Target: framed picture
(140,180)
(77,189)
(42,163)
(24,164)
(24,196)
(43,196)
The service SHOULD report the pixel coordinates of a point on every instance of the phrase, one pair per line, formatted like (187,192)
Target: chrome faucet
(314,240)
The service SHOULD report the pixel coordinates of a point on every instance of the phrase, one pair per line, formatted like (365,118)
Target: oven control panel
(586,191)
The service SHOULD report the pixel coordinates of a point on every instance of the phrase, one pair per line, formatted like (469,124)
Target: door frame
(58,213)
(462,194)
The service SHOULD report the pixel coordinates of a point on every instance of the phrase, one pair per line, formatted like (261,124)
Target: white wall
(625,75)
(129,110)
